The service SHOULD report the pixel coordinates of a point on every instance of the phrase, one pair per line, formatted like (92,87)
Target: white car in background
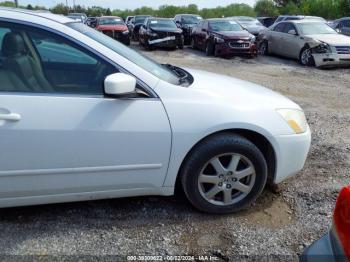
(84,117)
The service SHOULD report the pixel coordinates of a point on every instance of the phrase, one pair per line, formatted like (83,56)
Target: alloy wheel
(306,56)
(226,179)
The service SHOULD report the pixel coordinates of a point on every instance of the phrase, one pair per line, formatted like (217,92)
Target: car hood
(233,34)
(331,39)
(239,92)
(112,27)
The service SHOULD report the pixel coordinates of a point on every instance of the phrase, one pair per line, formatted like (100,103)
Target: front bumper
(291,153)
(168,41)
(331,59)
(224,49)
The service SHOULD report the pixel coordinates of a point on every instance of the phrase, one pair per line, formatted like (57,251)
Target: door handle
(10,117)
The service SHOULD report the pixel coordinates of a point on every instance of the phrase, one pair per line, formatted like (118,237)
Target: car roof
(32,14)
(189,14)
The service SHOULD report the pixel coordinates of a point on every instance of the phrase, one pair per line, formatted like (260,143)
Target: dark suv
(186,22)
(223,37)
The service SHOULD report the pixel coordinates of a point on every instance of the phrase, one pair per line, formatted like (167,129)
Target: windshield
(315,29)
(162,23)
(111,21)
(191,19)
(140,19)
(248,21)
(225,26)
(144,62)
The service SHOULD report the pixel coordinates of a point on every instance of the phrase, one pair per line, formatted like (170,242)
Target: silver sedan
(313,43)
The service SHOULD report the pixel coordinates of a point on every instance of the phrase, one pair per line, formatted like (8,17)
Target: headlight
(219,40)
(126,32)
(322,48)
(295,119)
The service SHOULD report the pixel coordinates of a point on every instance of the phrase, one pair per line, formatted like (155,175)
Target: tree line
(329,9)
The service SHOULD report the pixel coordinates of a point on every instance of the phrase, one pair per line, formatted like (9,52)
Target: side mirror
(119,84)
(292,32)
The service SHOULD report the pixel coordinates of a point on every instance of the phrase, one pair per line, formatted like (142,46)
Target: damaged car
(160,32)
(313,43)
(186,22)
(223,37)
(114,27)
(135,25)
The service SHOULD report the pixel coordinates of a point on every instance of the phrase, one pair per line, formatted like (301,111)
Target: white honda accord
(84,117)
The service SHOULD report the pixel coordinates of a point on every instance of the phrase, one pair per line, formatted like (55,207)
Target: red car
(335,245)
(114,27)
(223,37)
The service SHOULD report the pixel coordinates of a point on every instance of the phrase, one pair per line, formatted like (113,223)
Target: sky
(132,4)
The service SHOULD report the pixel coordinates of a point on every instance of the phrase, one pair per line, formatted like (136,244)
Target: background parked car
(135,25)
(221,37)
(252,25)
(298,17)
(91,21)
(128,19)
(335,245)
(160,32)
(114,27)
(186,22)
(78,16)
(341,25)
(311,42)
(267,21)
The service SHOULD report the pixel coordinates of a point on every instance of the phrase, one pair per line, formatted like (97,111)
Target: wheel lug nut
(234,179)
(220,184)
(221,176)
(228,186)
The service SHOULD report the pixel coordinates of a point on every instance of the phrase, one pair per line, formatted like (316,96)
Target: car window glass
(53,50)
(38,61)
(288,27)
(279,27)
(346,23)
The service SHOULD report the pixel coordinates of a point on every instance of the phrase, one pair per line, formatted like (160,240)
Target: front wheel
(209,49)
(264,48)
(306,58)
(224,174)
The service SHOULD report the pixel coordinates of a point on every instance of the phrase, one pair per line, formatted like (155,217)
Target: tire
(264,48)
(209,49)
(193,43)
(306,58)
(235,191)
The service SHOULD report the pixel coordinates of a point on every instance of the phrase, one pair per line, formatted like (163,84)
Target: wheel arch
(259,140)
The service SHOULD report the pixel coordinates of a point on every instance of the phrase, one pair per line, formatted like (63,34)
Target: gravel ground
(280,224)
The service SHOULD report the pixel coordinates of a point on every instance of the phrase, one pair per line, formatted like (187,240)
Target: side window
(346,23)
(53,50)
(38,61)
(279,27)
(288,27)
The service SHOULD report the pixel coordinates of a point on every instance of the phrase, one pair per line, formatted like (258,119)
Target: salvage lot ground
(279,223)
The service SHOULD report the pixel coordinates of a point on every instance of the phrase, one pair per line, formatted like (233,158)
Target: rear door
(68,138)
